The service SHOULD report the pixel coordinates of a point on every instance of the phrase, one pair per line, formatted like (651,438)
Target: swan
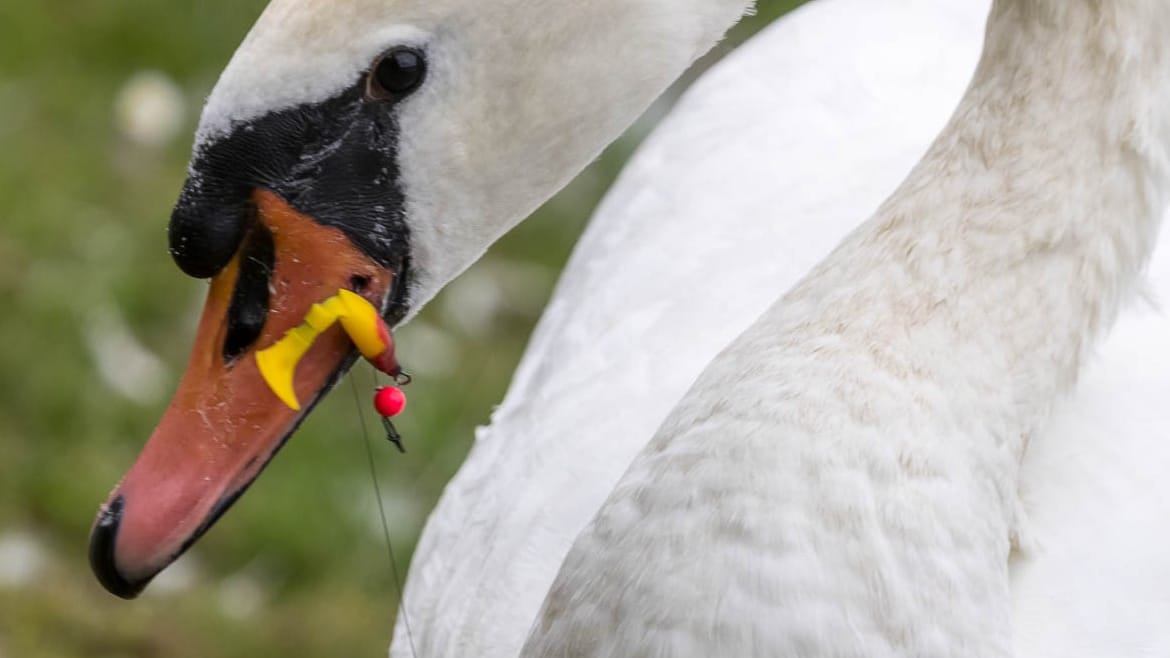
(163,505)
(375,146)
(844,479)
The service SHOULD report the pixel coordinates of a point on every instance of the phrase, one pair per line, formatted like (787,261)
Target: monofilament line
(382,514)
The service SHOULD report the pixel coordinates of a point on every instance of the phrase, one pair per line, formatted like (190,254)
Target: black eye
(399,72)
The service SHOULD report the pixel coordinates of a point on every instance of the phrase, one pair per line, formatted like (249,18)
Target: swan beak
(226,421)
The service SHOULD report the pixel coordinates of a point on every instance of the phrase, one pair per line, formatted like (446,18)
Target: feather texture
(764,165)
(843,479)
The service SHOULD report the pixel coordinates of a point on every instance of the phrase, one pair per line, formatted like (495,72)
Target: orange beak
(225,422)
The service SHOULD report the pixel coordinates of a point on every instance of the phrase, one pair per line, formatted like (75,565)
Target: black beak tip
(101,553)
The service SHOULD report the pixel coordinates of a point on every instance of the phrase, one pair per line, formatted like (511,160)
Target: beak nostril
(252,295)
(102,557)
(359,282)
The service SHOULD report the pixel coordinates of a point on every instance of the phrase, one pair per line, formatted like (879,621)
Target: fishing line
(382,514)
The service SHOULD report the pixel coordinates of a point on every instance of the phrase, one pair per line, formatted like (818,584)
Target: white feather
(843,479)
(1091,580)
(519,96)
(758,172)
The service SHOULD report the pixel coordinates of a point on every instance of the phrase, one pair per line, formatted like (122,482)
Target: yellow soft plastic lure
(361,323)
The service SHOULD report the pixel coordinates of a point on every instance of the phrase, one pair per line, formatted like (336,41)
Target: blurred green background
(98,100)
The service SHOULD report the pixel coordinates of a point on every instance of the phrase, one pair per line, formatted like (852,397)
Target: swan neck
(848,467)
(918,359)
(1096,67)
(1062,153)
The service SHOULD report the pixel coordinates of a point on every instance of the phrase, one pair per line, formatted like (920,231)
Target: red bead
(389,401)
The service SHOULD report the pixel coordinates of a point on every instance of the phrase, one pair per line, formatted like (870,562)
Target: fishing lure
(389,401)
(369,333)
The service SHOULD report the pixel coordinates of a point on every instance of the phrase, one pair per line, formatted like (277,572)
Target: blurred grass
(298,567)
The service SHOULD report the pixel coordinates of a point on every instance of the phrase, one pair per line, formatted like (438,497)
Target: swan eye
(399,72)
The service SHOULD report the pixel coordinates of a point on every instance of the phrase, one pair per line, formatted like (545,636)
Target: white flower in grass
(149,109)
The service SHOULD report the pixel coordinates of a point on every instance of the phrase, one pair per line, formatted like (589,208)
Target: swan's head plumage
(519,97)
(309,174)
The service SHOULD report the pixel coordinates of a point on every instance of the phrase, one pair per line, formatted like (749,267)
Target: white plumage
(884,458)
(762,168)
(1091,580)
(756,174)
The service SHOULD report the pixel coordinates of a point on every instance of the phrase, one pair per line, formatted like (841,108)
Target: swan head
(378,146)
